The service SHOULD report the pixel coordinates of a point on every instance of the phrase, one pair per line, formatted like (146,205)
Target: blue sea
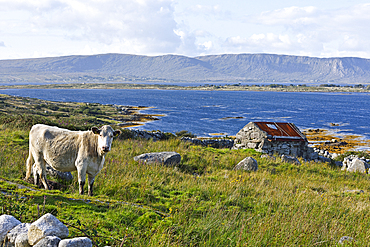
(205,113)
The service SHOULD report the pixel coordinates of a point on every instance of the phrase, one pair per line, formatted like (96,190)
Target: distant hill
(167,68)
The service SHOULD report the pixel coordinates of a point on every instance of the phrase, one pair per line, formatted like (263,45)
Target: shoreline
(325,88)
(335,142)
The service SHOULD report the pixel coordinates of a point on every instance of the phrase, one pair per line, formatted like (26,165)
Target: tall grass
(204,202)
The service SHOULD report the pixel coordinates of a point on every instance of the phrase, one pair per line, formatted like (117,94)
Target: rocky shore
(335,143)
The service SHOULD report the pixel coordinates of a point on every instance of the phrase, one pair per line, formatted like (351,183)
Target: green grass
(202,202)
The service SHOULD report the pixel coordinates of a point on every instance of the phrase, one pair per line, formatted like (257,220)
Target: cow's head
(105,138)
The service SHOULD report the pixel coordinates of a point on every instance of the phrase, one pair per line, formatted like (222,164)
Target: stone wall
(215,143)
(158,135)
(46,231)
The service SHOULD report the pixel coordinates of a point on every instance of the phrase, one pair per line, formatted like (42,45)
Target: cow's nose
(105,149)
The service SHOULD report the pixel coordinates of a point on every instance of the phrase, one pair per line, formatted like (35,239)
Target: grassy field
(202,202)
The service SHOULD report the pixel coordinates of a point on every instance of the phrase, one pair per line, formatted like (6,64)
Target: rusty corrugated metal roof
(281,131)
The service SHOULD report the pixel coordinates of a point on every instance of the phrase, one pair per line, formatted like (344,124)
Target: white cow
(66,151)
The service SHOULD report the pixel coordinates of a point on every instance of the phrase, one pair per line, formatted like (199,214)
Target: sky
(316,28)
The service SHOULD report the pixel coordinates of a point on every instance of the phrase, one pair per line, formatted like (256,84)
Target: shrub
(185,133)
(23,121)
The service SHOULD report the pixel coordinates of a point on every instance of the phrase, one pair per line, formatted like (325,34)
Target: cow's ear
(116,133)
(95,130)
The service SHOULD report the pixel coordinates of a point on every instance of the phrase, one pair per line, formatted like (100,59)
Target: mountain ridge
(225,67)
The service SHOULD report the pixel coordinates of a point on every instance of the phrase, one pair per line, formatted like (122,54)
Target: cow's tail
(29,164)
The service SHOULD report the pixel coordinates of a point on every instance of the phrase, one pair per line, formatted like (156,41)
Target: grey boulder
(345,239)
(76,242)
(48,241)
(313,156)
(290,159)
(247,164)
(324,159)
(16,231)
(267,156)
(7,223)
(22,240)
(355,165)
(338,163)
(165,158)
(47,225)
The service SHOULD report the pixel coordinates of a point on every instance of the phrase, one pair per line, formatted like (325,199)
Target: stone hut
(274,138)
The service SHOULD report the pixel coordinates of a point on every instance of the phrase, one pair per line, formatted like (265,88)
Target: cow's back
(59,147)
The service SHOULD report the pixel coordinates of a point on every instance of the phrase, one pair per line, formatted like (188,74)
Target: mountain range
(167,68)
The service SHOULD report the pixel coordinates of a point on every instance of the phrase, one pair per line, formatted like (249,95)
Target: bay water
(206,113)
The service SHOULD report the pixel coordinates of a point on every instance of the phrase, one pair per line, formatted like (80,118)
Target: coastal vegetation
(202,202)
(72,115)
(282,87)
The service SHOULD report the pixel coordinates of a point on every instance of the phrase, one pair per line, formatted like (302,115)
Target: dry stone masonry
(215,143)
(154,135)
(274,138)
(46,231)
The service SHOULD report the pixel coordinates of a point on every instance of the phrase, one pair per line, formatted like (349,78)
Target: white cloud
(188,40)
(153,27)
(145,26)
(309,31)
(213,11)
(262,43)
(297,15)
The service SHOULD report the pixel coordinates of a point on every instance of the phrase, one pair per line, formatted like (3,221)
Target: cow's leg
(40,168)
(29,164)
(91,184)
(81,188)
(43,177)
(81,174)
(36,177)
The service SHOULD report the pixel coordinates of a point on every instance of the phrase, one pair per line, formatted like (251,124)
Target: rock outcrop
(247,164)
(16,231)
(50,241)
(47,225)
(165,158)
(354,164)
(76,242)
(7,223)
